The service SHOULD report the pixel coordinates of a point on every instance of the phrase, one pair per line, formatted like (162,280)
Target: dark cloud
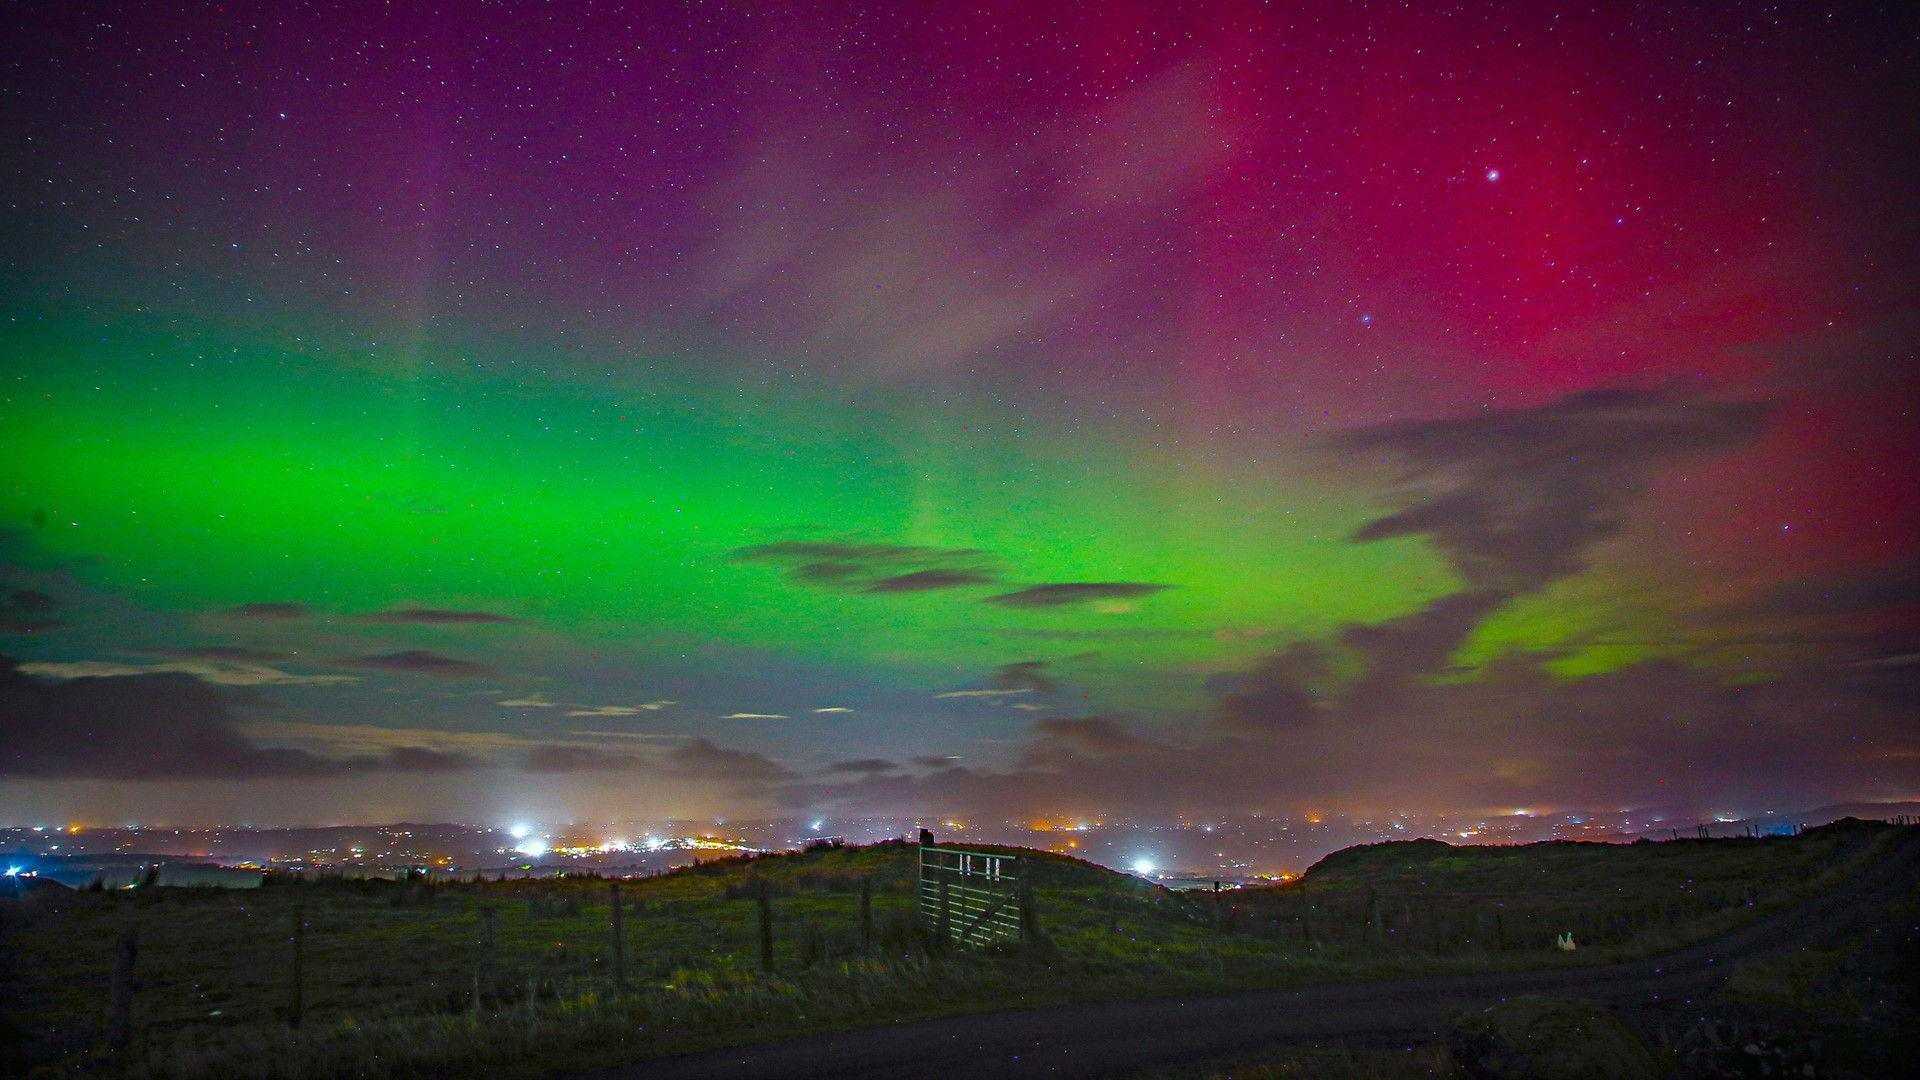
(270,612)
(936,761)
(164,726)
(851,554)
(27,600)
(419,662)
(420,759)
(1852,592)
(1097,735)
(237,653)
(1075,592)
(873,568)
(700,759)
(864,766)
(26,611)
(1024,675)
(435,616)
(562,758)
(1516,498)
(925,580)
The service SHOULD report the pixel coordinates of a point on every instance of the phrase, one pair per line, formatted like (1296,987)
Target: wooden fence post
(296,1002)
(619,943)
(483,963)
(866,913)
(120,990)
(765,904)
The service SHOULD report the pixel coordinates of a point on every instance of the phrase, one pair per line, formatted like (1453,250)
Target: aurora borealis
(709,409)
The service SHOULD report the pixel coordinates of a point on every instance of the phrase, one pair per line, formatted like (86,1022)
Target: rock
(1532,1038)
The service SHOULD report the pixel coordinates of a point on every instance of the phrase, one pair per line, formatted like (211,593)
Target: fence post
(120,991)
(765,904)
(296,1001)
(483,964)
(866,914)
(619,943)
(946,912)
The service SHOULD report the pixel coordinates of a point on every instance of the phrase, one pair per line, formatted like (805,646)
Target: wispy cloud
(983,693)
(211,670)
(435,616)
(1061,593)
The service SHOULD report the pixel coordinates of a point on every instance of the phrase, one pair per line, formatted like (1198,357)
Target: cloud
(214,670)
(242,653)
(158,726)
(872,568)
(864,766)
(866,258)
(926,580)
(563,758)
(419,662)
(1075,592)
(953,694)
(1024,675)
(937,761)
(1517,497)
(434,616)
(832,710)
(270,612)
(26,611)
(532,701)
(756,716)
(1854,591)
(607,710)
(1098,735)
(700,759)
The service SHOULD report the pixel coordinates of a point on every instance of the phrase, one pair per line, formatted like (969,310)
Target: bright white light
(654,843)
(1144,867)
(616,845)
(520,832)
(815,825)
(13,871)
(1493,176)
(532,845)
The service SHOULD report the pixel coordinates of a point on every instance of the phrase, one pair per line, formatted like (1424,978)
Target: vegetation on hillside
(518,977)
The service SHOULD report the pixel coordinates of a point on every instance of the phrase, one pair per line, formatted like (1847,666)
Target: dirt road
(1105,1038)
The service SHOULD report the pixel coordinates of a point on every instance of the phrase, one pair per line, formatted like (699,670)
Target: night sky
(496,411)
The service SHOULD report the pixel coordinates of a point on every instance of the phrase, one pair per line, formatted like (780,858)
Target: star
(1493,176)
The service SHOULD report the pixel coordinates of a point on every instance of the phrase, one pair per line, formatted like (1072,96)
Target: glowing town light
(13,871)
(1145,867)
(616,845)
(815,825)
(532,845)
(654,843)
(519,831)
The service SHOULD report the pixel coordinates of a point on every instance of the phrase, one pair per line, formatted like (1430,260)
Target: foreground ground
(1391,940)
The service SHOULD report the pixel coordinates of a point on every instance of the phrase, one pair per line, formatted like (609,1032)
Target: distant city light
(532,845)
(616,845)
(520,832)
(654,843)
(13,871)
(816,825)
(1145,867)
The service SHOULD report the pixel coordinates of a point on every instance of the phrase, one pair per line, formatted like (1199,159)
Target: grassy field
(397,978)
